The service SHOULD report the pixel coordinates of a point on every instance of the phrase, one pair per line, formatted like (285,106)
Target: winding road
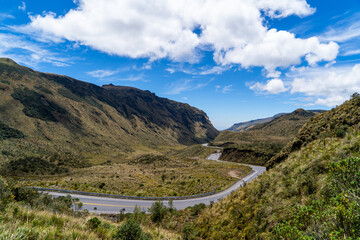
(114,205)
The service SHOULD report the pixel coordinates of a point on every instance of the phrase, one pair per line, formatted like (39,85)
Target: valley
(180,120)
(71,135)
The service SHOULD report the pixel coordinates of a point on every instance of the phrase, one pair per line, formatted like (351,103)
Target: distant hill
(261,142)
(43,113)
(243,126)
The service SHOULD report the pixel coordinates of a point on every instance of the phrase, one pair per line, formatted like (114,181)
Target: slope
(261,142)
(313,193)
(49,113)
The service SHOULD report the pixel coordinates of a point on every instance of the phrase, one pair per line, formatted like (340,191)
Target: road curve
(114,205)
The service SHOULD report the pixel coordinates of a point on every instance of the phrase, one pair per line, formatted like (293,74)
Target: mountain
(261,142)
(243,126)
(42,113)
(312,190)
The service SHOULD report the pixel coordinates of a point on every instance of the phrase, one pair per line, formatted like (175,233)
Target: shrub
(131,230)
(8,132)
(93,223)
(197,209)
(157,211)
(36,105)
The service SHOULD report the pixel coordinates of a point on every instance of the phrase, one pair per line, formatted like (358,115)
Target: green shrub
(157,212)
(197,209)
(93,223)
(37,105)
(5,82)
(131,230)
(32,165)
(8,132)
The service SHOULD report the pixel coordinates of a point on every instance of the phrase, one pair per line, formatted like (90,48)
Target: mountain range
(42,113)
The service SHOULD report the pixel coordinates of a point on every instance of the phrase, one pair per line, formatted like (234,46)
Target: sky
(237,60)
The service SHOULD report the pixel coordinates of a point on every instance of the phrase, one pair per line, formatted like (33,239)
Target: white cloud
(185,85)
(234,30)
(328,87)
(227,89)
(273,86)
(25,52)
(22,7)
(6,16)
(344,30)
(102,73)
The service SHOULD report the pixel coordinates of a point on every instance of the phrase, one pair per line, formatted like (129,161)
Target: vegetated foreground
(312,192)
(25,214)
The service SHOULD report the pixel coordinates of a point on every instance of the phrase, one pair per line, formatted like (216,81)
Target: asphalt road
(114,205)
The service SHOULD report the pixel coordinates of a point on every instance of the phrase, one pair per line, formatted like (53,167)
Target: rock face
(57,113)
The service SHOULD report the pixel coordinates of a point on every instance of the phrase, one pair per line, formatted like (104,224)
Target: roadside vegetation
(26,214)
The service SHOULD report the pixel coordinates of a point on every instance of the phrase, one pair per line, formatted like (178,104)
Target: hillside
(42,114)
(243,126)
(261,142)
(311,192)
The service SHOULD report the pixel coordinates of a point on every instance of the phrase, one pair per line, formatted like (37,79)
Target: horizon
(259,59)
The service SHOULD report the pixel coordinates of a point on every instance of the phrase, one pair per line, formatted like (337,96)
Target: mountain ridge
(57,113)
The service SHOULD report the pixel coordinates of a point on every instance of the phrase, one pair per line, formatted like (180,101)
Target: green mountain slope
(42,114)
(261,142)
(312,193)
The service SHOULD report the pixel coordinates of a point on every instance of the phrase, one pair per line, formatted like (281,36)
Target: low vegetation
(26,214)
(37,106)
(8,132)
(146,175)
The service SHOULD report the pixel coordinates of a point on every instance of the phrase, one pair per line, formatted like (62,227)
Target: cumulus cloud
(180,29)
(328,87)
(273,86)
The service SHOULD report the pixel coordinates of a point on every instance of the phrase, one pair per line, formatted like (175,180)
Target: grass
(151,178)
(18,221)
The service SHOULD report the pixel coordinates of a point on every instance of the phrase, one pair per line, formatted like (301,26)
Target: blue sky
(236,60)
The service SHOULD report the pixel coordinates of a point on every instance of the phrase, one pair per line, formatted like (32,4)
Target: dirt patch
(234,174)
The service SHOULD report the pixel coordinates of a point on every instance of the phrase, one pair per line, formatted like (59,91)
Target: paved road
(113,205)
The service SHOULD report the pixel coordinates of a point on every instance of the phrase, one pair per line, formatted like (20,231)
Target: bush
(197,209)
(8,132)
(93,223)
(37,106)
(32,165)
(131,230)
(157,211)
